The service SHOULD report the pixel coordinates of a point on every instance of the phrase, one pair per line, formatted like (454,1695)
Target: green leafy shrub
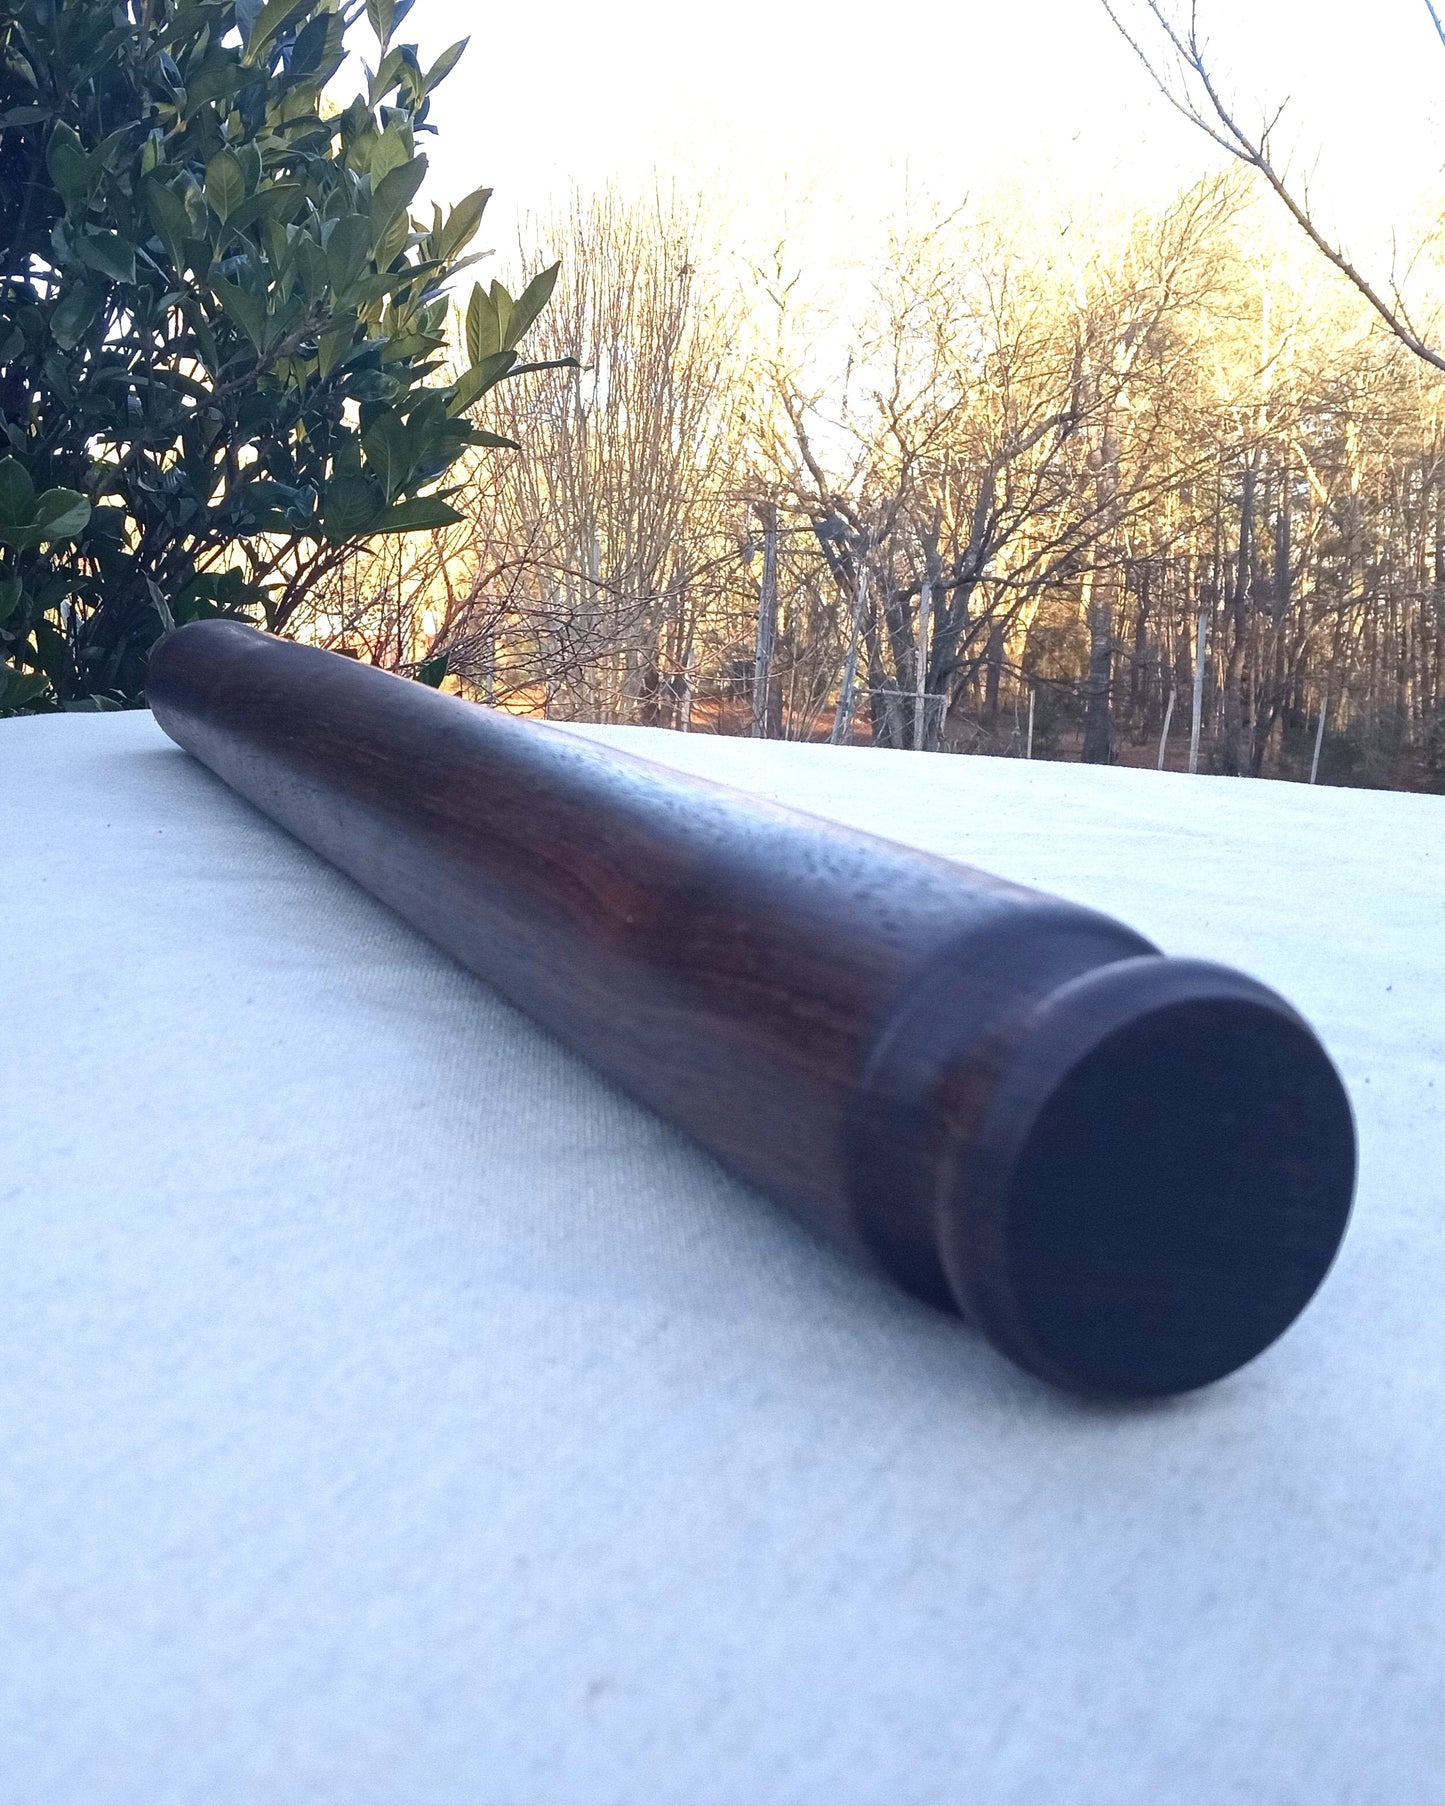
(223,333)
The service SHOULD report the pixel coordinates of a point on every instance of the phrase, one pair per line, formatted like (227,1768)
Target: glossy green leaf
(330,348)
(17,688)
(69,166)
(108,254)
(533,298)
(444,64)
(247,312)
(392,242)
(52,651)
(424,513)
(59,514)
(73,316)
(221,75)
(501,305)
(277,204)
(205,338)
(394,193)
(372,385)
(312,267)
(393,450)
(168,211)
(474,383)
(353,504)
(272,16)
(225,184)
(483,338)
(381,16)
(17,496)
(390,152)
(347,249)
(462,223)
(385,77)
(247,13)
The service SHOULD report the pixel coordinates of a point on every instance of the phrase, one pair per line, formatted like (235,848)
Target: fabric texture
(397,1415)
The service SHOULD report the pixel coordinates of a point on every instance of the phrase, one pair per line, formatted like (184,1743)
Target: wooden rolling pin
(1129,1172)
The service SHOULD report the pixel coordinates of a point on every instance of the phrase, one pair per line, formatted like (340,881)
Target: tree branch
(1222,128)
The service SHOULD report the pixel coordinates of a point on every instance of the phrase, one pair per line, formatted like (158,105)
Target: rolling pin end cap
(1160,1181)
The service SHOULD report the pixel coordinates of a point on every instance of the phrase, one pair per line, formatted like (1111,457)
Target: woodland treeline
(1014,482)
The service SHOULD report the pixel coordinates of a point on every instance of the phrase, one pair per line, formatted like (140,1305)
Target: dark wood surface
(1130,1172)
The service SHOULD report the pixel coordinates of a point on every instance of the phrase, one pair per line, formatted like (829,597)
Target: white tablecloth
(396,1415)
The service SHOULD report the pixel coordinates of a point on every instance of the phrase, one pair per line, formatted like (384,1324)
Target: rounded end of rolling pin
(1159,1182)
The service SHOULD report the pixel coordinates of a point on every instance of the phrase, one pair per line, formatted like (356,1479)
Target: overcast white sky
(855,99)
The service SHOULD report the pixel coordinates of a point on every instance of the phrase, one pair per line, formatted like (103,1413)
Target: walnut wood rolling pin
(1130,1172)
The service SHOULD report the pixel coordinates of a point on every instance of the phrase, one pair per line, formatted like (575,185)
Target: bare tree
(999,420)
(624,509)
(1181,72)
(1118,456)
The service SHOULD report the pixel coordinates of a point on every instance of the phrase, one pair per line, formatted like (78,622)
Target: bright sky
(856,99)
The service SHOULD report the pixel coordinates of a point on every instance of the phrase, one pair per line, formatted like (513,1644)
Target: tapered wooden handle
(1130,1172)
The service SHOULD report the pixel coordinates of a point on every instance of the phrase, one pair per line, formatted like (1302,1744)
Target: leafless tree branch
(1220,124)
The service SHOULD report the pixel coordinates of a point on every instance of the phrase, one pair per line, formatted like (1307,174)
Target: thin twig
(1225,131)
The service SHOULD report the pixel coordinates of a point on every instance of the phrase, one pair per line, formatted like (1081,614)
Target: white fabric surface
(394,1413)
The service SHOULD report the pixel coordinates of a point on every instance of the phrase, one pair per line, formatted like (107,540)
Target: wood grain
(1130,1172)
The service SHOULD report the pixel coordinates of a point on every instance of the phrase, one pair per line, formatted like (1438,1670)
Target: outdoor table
(394,1412)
